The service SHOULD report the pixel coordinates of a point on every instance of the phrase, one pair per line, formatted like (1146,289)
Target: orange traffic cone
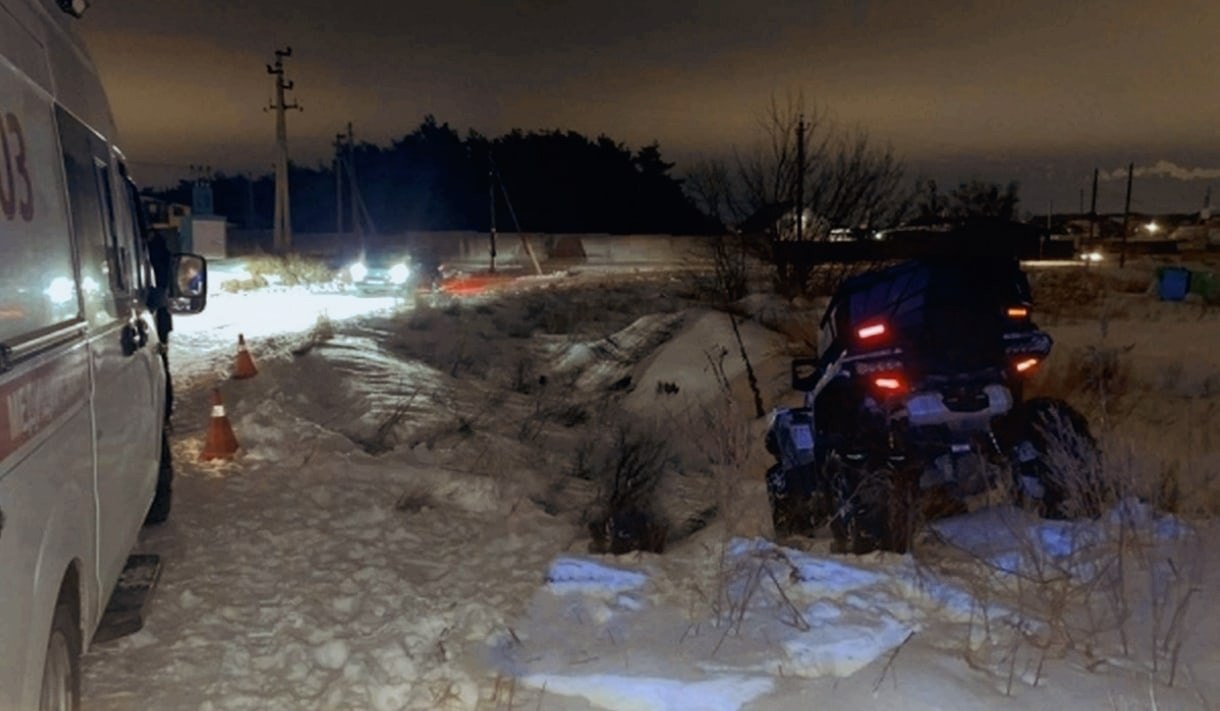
(244,366)
(221,442)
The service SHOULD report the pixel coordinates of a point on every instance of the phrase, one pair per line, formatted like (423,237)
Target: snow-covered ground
(406,527)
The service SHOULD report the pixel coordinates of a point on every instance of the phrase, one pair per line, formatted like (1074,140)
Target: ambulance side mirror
(188,284)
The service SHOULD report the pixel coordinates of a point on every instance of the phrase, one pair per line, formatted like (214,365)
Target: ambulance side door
(127,381)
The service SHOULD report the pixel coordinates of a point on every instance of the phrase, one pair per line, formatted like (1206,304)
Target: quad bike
(915,409)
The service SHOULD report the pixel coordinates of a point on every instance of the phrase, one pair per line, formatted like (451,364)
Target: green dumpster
(1206,285)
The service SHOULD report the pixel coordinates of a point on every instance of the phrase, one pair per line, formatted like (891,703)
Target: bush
(1096,375)
(291,270)
(628,467)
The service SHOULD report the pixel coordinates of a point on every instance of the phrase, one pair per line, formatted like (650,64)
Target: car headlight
(399,273)
(358,271)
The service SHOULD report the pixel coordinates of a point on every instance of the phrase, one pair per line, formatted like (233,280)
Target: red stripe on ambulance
(33,401)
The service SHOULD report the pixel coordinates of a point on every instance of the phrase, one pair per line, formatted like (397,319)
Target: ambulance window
(118,251)
(37,280)
(143,272)
(81,150)
(136,223)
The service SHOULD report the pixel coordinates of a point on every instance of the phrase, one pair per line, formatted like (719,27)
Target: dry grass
(322,332)
(291,270)
(1113,585)
(1148,406)
(415,499)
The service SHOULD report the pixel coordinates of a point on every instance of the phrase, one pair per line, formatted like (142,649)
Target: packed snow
(406,526)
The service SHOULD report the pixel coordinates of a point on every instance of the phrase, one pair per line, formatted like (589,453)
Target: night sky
(1040,91)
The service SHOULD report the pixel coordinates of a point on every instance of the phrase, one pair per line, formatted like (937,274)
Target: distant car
(381,273)
(393,273)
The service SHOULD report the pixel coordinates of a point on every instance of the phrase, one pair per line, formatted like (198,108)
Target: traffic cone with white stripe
(244,366)
(221,442)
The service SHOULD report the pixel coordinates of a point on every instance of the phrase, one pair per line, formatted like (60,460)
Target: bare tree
(768,171)
(860,184)
(710,183)
(848,180)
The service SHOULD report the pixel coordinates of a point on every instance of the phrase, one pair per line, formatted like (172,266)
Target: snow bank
(641,693)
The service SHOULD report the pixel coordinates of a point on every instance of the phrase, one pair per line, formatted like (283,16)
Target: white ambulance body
(82,387)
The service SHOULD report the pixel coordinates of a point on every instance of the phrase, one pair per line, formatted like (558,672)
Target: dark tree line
(432,179)
(976,198)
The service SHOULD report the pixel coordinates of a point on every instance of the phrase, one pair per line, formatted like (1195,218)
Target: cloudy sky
(1040,91)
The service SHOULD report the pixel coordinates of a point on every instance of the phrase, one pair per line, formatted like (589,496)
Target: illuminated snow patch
(831,578)
(842,648)
(1064,539)
(569,575)
(637,693)
(578,355)
(332,654)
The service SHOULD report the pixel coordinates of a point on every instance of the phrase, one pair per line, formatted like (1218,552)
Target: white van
(83,456)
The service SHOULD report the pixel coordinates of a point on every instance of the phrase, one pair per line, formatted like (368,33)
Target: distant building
(185,231)
(163,215)
(778,221)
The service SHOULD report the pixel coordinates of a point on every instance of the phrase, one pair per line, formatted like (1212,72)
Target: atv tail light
(871,331)
(1018,312)
(889,383)
(1024,366)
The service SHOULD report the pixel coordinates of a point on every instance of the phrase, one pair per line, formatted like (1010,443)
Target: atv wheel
(875,507)
(1058,462)
(903,510)
(855,526)
(793,514)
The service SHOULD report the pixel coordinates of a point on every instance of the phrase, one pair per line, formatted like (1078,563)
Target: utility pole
(491,199)
(283,214)
(338,164)
(1122,255)
(1050,211)
(1093,210)
(359,210)
(800,176)
(525,242)
(249,200)
(355,191)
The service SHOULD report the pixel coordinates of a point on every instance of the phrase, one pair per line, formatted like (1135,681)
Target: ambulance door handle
(130,338)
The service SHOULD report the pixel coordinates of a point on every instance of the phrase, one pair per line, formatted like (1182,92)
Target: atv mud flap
(125,613)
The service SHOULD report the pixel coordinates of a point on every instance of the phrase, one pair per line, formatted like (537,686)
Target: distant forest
(432,179)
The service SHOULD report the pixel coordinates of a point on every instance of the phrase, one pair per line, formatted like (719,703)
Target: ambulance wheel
(61,670)
(159,511)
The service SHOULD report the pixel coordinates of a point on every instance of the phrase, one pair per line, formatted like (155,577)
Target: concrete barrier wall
(473,248)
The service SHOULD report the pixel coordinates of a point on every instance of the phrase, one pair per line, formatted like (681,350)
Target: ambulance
(84,459)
